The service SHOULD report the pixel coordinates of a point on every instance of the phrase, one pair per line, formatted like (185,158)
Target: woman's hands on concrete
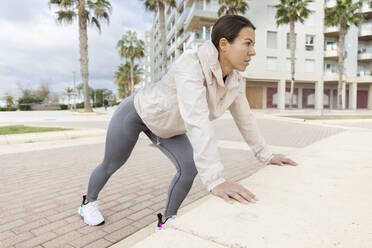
(233,191)
(280,161)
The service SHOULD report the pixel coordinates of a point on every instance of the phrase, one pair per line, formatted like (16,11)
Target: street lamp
(74,91)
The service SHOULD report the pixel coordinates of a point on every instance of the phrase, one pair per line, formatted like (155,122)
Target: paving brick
(16,239)
(49,227)
(145,221)
(101,243)
(121,234)
(60,216)
(12,224)
(40,239)
(110,227)
(141,205)
(119,215)
(88,238)
(31,225)
(6,235)
(140,214)
(61,241)
(70,227)
(126,198)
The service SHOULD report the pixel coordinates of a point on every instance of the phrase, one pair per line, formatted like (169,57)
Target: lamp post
(74,91)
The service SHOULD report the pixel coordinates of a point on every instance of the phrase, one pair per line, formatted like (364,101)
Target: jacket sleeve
(247,124)
(193,106)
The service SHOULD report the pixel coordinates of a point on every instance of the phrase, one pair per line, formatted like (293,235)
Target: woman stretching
(199,87)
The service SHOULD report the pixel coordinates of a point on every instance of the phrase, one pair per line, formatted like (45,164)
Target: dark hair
(228,27)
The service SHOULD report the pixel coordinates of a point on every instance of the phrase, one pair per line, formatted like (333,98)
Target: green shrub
(80,105)
(24,103)
(63,106)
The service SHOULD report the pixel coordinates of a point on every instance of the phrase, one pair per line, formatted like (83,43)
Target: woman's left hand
(280,161)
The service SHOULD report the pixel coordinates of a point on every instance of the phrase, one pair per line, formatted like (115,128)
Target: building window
(330,45)
(271,63)
(271,39)
(309,65)
(310,20)
(288,41)
(309,42)
(271,11)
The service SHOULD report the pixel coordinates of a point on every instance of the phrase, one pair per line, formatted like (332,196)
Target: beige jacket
(189,97)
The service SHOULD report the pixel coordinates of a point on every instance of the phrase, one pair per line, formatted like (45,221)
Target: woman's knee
(188,170)
(111,167)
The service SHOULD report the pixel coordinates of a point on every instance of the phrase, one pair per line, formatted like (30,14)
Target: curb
(48,136)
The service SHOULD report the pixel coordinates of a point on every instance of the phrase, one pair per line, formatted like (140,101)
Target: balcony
(330,3)
(364,73)
(366,10)
(178,24)
(365,32)
(365,57)
(331,31)
(169,18)
(332,54)
(200,14)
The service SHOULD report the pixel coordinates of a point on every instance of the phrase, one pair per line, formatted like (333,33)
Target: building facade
(268,75)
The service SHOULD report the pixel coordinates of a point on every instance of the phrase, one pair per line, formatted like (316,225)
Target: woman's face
(239,53)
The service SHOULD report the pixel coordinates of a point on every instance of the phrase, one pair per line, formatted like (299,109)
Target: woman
(202,84)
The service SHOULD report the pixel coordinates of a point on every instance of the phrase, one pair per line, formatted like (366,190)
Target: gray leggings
(122,134)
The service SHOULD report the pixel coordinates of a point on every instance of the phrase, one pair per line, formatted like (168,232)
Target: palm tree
(79,88)
(87,11)
(123,78)
(68,93)
(159,6)
(344,14)
(232,7)
(131,47)
(289,12)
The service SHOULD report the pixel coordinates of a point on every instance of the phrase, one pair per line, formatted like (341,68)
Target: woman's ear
(223,44)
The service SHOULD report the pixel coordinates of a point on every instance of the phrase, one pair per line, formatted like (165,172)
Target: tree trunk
(163,36)
(292,47)
(83,38)
(131,76)
(340,102)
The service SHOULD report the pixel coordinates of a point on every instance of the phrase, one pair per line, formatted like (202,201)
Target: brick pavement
(42,190)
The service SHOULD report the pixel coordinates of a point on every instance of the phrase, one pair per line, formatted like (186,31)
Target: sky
(35,49)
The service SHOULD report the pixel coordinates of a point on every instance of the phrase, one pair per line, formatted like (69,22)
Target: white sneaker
(92,216)
(163,225)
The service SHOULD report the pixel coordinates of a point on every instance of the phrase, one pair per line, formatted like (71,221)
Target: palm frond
(297,9)
(151,5)
(65,16)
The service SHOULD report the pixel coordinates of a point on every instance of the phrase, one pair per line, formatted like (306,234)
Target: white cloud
(35,49)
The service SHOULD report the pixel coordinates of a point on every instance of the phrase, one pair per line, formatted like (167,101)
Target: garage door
(254,96)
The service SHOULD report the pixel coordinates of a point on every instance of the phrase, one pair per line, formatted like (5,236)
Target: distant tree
(344,14)
(290,12)
(122,78)
(130,47)
(86,11)
(232,7)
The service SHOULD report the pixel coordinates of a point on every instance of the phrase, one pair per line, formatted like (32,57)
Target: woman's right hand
(229,191)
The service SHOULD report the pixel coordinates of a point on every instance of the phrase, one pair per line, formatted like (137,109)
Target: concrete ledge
(324,202)
(88,113)
(48,136)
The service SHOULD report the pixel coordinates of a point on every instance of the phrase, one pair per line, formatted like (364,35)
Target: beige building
(268,75)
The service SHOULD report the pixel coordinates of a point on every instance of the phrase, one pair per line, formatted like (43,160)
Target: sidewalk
(324,202)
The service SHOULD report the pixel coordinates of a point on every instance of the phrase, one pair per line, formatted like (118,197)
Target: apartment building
(268,75)
(147,62)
